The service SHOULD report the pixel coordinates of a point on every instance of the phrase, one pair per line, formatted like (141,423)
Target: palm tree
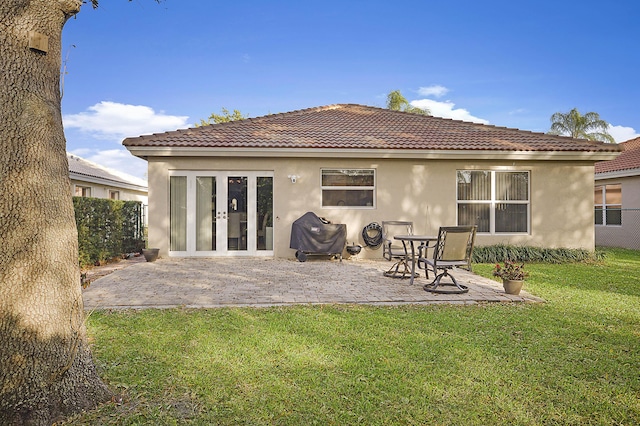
(576,125)
(397,102)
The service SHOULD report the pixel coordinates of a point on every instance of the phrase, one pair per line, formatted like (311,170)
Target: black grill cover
(309,234)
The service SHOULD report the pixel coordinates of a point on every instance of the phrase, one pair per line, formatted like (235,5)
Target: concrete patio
(262,282)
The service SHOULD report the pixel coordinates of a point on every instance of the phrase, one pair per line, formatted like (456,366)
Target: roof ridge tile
(340,126)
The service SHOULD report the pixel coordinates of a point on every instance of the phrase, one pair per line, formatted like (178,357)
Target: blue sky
(140,67)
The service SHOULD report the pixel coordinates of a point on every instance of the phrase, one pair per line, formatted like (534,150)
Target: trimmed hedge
(107,229)
(499,253)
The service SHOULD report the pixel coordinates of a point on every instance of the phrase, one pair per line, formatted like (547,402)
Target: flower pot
(150,254)
(354,249)
(512,286)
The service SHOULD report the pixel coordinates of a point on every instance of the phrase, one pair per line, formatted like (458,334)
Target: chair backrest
(390,247)
(396,227)
(455,245)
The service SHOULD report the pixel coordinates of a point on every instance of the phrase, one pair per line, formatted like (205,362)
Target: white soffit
(147,151)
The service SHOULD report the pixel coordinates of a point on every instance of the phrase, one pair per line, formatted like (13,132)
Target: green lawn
(572,360)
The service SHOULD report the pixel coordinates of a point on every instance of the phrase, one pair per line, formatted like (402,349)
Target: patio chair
(452,250)
(393,249)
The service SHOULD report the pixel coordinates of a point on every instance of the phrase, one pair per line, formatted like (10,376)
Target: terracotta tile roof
(628,160)
(349,126)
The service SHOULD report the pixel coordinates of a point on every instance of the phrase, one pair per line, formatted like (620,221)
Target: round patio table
(409,258)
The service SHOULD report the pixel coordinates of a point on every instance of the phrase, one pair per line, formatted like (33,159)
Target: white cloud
(120,162)
(112,120)
(434,90)
(622,134)
(446,109)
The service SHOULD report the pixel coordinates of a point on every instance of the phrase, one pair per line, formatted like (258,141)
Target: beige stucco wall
(423,191)
(627,235)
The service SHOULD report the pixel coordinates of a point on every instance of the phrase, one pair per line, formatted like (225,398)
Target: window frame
(85,191)
(605,205)
(371,188)
(493,202)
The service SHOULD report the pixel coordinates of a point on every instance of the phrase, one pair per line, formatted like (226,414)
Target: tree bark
(46,368)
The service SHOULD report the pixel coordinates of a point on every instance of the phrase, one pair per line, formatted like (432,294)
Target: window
(114,195)
(608,204)
(348,188)
(496,201)
(82,191)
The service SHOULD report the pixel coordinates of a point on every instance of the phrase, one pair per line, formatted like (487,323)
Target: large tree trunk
(46,368)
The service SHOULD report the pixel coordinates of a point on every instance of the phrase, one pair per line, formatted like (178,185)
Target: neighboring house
(92,180)
(617,198)
(235,188)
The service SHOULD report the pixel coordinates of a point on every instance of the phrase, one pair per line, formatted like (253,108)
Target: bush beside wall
(499,253)
(107,229)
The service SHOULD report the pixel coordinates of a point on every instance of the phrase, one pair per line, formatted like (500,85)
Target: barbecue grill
(311,234)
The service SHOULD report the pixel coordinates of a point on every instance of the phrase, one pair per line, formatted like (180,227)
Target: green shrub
(107,228)
(500,252)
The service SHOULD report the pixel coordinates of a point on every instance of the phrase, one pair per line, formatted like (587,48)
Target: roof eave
(145,152)
(618,174)
(107,182)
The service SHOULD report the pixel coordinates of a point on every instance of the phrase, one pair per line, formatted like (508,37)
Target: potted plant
(354,249)
(150,254)
(512,274)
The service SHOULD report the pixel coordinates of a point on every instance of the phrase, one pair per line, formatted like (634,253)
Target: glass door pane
(237,213)
(205,213)
(178,213)
(264,213)
(218,213)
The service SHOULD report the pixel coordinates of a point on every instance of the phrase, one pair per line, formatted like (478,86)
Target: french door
(220,213)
